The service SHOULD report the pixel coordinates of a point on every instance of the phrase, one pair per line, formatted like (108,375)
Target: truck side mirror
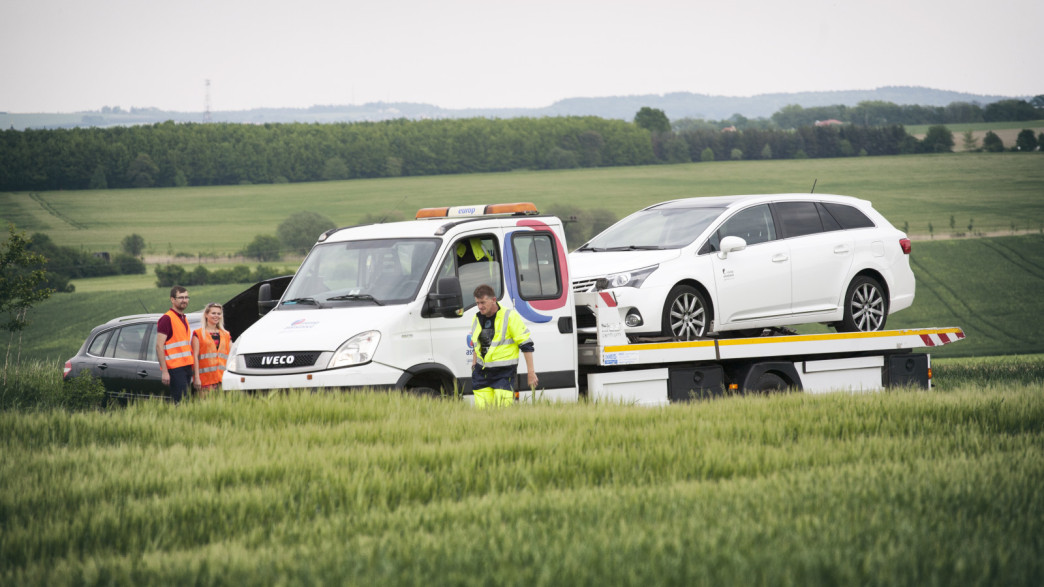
(265,303)
(446,301)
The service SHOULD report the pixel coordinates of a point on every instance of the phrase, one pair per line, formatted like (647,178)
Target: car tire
(866,306)
(686,314)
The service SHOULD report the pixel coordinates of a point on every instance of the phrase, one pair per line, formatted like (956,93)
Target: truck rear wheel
(769,382)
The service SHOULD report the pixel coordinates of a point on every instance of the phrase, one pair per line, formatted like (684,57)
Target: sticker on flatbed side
(620,358)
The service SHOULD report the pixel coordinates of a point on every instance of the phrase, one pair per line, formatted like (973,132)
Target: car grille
(584,286)
(281,360)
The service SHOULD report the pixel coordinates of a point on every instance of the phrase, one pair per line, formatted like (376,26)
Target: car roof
(743,200)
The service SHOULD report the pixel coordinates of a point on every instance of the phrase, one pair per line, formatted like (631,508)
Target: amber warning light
(522,208)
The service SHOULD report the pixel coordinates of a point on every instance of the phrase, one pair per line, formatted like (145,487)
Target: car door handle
(103,366)
(780,258)
(143,373)
(842,250)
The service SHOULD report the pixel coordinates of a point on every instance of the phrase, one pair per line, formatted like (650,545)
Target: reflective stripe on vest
(177,351)
(211,359)
(502,351)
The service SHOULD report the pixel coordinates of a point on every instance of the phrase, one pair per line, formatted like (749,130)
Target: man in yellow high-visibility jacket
(498,335)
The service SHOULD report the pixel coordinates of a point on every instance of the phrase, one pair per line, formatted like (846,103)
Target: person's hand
(165,377)
(533,381)
(197,383)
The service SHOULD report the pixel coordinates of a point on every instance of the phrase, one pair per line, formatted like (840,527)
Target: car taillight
(906,245)
(67,370)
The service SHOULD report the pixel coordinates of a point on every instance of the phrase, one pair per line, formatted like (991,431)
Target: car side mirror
(731,244)
(447,301)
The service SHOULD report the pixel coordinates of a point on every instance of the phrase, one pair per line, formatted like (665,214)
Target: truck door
(527,269)
(537,280)
(474,259)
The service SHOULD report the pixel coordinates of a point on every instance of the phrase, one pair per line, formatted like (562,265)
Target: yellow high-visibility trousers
(496,398)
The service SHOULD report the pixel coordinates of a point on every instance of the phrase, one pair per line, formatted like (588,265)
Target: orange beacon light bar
(524,208)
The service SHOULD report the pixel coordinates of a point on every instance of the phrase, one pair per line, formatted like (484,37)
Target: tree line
(174,155)
(169,154)
(882,113)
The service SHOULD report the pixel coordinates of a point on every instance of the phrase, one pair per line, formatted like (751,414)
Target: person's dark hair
(484,291)
(177,289)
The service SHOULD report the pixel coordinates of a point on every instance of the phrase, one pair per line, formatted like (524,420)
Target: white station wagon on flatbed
(739,264)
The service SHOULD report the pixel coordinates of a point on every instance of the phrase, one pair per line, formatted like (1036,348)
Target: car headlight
(357,350)
(627,278)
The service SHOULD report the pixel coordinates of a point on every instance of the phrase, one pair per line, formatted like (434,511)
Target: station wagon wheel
(866,306)
(685,313)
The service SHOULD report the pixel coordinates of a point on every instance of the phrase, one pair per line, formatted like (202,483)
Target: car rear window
(848,216)
(798,218)
(97,347)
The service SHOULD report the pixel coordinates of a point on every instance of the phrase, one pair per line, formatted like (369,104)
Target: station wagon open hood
(593,264)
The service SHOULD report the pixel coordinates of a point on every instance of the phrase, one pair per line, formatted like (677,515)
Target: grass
(995,190)
(895,488)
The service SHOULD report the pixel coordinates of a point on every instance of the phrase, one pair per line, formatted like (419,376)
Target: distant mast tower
(206,108)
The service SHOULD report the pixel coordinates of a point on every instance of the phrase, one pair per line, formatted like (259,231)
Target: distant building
(729,129)
(830,122)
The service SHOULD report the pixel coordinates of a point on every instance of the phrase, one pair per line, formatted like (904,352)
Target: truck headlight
(233,356)
(627,278)
(357,350)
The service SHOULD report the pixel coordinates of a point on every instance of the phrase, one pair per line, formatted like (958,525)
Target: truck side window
(536,262)
(474,260)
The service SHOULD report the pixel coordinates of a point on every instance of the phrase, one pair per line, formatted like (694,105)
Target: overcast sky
(73,55)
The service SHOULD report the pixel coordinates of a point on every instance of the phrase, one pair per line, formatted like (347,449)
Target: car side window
(798,218)
(97,347)
(848,216)
(536,264)
(754,225)
(150,349)
(128,341)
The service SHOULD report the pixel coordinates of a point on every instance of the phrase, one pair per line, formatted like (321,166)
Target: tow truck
(390,306)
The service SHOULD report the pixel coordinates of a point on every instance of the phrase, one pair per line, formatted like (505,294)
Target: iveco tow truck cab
(391,305)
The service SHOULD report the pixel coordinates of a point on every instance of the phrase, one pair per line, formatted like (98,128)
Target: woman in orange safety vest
(210,346)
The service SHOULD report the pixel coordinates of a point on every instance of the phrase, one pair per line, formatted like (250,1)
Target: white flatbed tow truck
(390,306)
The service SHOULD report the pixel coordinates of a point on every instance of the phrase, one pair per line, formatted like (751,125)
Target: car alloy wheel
(685,314)
(865,306)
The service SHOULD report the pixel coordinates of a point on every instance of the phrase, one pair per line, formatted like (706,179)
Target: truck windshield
(370,272)
(656,228)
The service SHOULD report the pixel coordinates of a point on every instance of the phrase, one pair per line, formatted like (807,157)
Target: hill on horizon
(676,105)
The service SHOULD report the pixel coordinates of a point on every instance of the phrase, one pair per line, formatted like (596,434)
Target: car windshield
(656,228)
(374,272)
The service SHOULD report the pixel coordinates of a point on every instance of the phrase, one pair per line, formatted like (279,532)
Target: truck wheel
(685,314)
(866,306)
(424,387)
(769,382)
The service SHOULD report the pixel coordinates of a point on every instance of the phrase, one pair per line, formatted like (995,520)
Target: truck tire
(769,382)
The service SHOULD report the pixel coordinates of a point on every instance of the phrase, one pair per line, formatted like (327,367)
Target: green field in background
(995,190)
